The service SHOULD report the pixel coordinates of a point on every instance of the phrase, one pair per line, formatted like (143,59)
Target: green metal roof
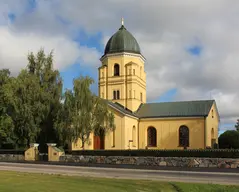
(122,41)
(198,108)
(175,109)
(121,108)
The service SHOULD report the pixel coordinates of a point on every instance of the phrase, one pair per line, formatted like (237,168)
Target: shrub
(229,140)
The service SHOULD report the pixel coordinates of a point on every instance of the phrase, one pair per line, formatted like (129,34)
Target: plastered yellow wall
(212,124)
(115,140)
(87,146)
(168,132)
(131,133)
(54,155)
(131,83)
(125,135)
(31,154)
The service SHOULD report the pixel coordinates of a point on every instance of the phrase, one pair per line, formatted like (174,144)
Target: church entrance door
(99,141)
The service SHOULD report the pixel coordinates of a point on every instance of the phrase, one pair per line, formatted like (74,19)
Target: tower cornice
(123,54)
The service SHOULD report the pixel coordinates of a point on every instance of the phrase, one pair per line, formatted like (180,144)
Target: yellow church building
(141,125)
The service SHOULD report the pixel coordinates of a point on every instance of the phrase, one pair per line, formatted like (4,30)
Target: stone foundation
(155,161)
(11,157)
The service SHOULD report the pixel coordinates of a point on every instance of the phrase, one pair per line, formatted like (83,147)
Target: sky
(191,47)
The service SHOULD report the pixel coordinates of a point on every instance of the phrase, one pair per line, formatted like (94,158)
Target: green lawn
(28,182)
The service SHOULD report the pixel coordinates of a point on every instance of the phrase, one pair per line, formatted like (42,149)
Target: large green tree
(229,140)
(83,113)
(50,82)
(27,108)
(31,109)
(29,102)
(6,123)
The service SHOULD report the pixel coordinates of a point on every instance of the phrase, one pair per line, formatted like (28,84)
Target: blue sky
(77,69)
(189,61)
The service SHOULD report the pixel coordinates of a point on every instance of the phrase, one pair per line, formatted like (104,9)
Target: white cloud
(164,30)
(14,49)
(39,29)
(89,56)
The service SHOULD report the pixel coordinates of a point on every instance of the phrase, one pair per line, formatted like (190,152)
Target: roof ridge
(121,108)
(139,108)
(181,101)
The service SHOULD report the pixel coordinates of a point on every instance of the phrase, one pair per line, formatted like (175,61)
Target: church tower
(122,78)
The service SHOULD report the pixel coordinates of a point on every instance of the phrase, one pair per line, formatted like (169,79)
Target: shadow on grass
(192,187)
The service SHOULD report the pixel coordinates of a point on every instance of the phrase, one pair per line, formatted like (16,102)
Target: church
(141,125)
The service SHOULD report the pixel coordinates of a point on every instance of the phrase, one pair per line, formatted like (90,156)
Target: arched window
(152,137)
(183,136)
(116,70)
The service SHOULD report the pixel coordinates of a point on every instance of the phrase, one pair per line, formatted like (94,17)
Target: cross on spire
(122,21)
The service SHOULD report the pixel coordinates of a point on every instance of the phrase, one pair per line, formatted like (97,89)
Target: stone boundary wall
(154,161)
(12,157)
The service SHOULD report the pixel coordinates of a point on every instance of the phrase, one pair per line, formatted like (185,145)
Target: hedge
(211,153)
(12,151)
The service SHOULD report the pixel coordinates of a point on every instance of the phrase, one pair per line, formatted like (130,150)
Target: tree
(29,102)
(102,120)
(31,109)
(27,108)
(6,123)
(229,140)
(63,124)
(83,113)
(237,125)
(50,82)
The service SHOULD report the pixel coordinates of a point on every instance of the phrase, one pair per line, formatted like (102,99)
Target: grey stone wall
(155,161)
(11,157)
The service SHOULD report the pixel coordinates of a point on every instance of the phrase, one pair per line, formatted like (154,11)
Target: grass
(31,182)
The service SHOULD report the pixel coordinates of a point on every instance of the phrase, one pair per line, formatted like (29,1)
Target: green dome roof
(122,41)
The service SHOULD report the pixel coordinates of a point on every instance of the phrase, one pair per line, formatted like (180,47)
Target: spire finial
(122,21)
